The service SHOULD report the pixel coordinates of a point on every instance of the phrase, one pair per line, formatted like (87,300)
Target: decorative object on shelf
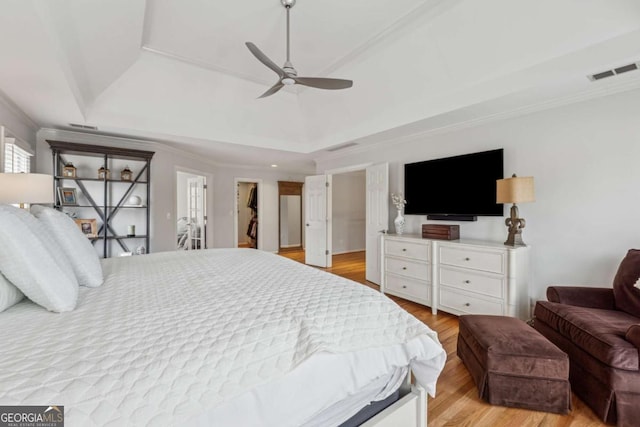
(104,173)
(126,174)
(134,201)
(89,227)
(131,231)
(515,190)
(399,202)
(67,196)
(69,171)
(141,250)
(23,188)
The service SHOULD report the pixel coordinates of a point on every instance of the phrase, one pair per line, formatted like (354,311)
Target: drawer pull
(404,250)
(404,286)
(404,268)
(467,304)
(467,259)
(467,281)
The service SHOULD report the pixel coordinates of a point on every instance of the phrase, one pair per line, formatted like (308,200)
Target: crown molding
(140,143)
(596,92)
(13,107)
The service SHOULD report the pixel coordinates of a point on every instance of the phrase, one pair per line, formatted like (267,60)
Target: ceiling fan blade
(324,83)
(276,87)
(264,59)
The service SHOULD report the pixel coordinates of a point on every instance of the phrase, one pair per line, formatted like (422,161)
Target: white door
(377,217)
(196,213)
(317,205)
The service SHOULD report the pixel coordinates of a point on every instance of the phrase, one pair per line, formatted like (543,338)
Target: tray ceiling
(179,71)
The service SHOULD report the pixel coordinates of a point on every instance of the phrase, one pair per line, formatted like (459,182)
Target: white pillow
(9,294)
(75,245)
(31,260)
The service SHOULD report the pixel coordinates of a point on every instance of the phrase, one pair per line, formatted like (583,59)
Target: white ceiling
(179,72)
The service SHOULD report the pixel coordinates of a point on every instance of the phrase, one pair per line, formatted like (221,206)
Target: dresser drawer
(469,304)
(473,281)
(485,260)
(410,287)
(407,249)
(405,267)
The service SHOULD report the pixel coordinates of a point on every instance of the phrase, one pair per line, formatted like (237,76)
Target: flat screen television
(454,188)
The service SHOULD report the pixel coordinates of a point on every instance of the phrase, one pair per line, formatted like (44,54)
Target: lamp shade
(26,188)
(515,190)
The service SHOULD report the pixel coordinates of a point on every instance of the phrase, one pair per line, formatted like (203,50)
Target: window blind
(16,160)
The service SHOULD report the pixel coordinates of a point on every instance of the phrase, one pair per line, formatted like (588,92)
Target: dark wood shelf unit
(106,208)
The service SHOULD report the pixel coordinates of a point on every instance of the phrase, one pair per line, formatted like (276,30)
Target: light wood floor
(457,402)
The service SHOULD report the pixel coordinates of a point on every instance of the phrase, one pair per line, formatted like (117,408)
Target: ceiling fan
(287,75)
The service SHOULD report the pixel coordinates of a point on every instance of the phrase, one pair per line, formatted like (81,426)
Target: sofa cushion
(598,332)
(627,296)
(633,335)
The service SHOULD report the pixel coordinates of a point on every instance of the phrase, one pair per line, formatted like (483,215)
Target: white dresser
(457,276)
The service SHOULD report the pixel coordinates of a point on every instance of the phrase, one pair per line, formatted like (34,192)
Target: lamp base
(515,239)
(515,225)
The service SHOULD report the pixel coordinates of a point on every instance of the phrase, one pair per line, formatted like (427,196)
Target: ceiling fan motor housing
(288,3)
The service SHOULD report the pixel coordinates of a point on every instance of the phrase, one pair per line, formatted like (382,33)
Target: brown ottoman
(513,364)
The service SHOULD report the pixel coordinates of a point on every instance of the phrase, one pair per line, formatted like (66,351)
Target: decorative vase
(399,222)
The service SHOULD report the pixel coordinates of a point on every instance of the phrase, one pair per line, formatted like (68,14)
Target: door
(195,207)
(317,198)
(377,218)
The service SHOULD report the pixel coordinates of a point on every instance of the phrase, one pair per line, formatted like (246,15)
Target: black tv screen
(461,185)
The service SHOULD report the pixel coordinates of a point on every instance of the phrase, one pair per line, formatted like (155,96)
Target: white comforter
(170,336)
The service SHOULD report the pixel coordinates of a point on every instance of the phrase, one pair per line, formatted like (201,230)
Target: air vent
(342,147)
(79,126)
(614,72)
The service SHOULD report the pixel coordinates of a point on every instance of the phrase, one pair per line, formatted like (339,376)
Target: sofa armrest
(633,335)
(582,296)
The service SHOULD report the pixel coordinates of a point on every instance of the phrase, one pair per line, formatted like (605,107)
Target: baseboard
(291,246)
(349,252)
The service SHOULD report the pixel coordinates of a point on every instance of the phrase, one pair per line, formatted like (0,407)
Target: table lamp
(515,190)
(22,188)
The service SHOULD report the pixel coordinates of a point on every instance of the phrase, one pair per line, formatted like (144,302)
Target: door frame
(258,182)
(208,237)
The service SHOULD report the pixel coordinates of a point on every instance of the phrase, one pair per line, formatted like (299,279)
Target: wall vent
(614,72)
(79,126)
(342,147)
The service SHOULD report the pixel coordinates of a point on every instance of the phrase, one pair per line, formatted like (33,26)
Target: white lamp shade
(517,189)
(26,188)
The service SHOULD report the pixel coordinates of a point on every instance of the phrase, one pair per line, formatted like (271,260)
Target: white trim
(524,110)
(13,107)
(350,251)
(258,182)
(347,169)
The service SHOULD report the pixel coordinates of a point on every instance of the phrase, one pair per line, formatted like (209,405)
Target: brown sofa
(599,328)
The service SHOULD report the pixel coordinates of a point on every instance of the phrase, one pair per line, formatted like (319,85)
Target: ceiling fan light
(288,81)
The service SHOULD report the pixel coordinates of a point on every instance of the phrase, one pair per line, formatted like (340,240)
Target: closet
(247,215)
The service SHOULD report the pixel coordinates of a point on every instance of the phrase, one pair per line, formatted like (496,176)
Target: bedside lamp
(515,190)
(26,188)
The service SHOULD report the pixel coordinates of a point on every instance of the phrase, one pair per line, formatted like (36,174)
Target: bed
(219,337)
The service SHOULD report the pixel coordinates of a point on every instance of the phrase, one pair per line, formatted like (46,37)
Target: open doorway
(320,216)
(349,213)
(247,210)
(191,211)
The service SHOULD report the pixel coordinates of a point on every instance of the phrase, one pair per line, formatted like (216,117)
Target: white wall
(225,193)
(585,160)
(220,194)
(290,221)
(348,194)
